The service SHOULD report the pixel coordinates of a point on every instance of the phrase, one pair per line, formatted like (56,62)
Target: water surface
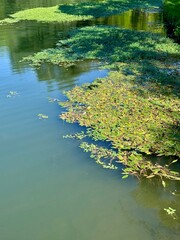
(49,188)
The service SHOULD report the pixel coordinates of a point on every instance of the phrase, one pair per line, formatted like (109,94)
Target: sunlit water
(49,188)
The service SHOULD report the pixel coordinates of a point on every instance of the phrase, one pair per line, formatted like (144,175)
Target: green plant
(171,212)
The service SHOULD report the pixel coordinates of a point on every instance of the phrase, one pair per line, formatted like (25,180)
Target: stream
(49,188)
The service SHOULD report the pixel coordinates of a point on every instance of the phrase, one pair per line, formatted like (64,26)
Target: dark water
(49,188)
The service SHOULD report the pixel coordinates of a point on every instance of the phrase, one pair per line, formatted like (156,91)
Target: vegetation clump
(136,107)
(48,14)
(109,44)
(172,18)
(79,11)
(134,120)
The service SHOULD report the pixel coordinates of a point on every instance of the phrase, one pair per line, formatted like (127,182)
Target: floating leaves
(11,94)
(107,44)
(42,116)
(136,121)
(101,155)
(52,100)
(171,212)
(163,183)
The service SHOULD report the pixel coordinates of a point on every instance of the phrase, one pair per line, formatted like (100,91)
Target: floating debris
(42,116)
(52,100)
(11,94)
(171,212)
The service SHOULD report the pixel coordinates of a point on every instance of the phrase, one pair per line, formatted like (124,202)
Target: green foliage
(107,7)
(12,94)
(79,135)
(172,17)
(100,155)
(42,116)
(136,107)
(171,212)
(109,44)
(135,121)
(48,14)
(79,11)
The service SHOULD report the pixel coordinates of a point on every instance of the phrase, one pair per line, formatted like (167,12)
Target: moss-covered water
(49,188)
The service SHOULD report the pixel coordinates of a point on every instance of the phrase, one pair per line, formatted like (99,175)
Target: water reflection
(137,19)
(26,38)
(151,194)
(67,78)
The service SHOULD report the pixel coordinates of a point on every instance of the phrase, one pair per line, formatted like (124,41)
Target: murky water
(49,188)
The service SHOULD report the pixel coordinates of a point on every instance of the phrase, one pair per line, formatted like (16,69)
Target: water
(137,19)
(49,188)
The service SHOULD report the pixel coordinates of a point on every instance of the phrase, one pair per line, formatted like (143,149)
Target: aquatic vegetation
(170,211)
(135,108)
(108,44)
(101,155)
(126,113)
(12,94)
(42,116)
(48,14)
(108,7)
(52,100)
(79,11)
(8,21)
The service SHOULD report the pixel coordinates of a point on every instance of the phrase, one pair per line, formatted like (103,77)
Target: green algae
(48,14)
(79,11)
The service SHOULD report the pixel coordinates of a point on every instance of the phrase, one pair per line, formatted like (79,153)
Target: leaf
(174,161)
(163,183)
(125,176)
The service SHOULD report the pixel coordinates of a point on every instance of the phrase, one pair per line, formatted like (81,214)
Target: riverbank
(172,18)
